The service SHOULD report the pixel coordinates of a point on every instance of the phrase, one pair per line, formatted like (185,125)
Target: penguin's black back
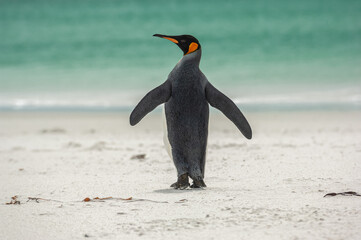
(187,115)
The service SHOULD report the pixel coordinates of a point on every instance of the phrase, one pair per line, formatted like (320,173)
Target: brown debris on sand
(138,157)
(98,199)
(14,200)
(350,193)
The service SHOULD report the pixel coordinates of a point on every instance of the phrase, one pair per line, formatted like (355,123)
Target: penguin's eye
(183,41)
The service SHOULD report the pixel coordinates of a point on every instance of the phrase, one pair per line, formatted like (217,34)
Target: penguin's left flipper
(157,96)
(220,101)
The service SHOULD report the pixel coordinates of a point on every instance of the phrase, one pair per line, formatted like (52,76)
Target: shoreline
(247,107)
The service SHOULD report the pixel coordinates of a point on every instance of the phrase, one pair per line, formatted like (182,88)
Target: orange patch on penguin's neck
(192,47)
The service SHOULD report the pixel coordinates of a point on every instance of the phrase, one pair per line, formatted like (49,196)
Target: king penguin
(186,94)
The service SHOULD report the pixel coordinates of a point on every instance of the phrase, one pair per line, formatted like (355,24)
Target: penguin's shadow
(172,190)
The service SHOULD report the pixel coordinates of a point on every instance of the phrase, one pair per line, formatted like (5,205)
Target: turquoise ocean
(100,55)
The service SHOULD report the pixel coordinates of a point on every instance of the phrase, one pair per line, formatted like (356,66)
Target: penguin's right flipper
(157,96)
(220,101)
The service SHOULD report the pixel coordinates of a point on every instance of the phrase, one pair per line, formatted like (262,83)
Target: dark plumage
(186,94)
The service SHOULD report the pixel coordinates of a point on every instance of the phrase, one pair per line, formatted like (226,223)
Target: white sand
(271,187)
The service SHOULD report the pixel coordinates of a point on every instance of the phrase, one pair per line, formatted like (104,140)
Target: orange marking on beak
(192,47)
(171,39)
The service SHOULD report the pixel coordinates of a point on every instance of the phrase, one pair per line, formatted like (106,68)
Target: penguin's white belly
(165,136)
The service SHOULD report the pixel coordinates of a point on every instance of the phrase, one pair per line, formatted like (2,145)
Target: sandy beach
(271,187)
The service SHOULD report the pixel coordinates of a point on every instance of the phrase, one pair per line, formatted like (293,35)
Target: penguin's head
(187,43)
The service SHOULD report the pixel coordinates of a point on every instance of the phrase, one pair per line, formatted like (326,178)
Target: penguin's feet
(182,182)
(198,184)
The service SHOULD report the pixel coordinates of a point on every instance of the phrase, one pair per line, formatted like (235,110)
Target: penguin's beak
(170,38)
